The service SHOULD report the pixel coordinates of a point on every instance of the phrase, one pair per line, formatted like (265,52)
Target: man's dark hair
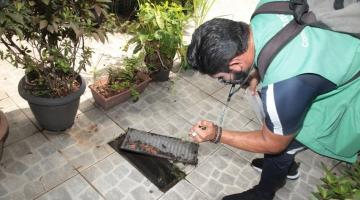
(215,43)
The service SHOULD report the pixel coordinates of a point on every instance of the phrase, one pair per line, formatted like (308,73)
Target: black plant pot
(125,8)
(54,114)
(161,75)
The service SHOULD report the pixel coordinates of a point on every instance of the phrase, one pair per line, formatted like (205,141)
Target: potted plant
(121,83)
(158,32)
(46,38)
(4,131)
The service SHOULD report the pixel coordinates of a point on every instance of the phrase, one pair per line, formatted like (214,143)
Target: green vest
(332,124)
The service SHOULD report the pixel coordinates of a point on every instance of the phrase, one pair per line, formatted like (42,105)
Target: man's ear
(236,64)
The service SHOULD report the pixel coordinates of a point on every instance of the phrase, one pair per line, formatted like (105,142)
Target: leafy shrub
(344,186)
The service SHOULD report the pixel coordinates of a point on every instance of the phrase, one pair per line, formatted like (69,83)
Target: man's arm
(261,141)
(285,104)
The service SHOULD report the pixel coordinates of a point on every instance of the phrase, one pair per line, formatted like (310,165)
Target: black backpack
(336,15)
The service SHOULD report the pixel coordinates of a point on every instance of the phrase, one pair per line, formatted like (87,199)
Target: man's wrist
(217,135)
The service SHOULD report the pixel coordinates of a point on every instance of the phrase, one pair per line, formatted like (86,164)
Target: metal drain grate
(160,171)
(160,146)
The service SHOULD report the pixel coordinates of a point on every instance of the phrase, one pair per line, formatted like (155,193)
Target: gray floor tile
(24,106)
(223,173)
(181,94)
(74,188)
(238,101)
(211,109)
(184,191)
(157,108)
(115,178)
(204,82)
(31,167)
(86,142)
(20,126)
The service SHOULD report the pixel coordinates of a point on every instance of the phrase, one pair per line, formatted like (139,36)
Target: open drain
(160,171)
(160,146)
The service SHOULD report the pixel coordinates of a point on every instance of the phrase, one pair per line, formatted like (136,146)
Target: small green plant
(158,32)
(343,186)
(123,78)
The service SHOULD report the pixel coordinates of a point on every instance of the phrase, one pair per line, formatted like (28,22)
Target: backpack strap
(276,7)
(279,40)
(302,18)
(275,44)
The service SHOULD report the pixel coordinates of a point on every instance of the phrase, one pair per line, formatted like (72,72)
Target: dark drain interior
(161,172)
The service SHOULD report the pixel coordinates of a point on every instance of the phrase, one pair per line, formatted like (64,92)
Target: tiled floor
(79,164)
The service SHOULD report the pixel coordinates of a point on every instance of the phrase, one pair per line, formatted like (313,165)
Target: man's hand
(203,131)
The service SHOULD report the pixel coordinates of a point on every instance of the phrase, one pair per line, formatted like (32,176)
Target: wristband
(218,135)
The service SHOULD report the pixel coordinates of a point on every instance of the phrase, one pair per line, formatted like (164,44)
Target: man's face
(239,68)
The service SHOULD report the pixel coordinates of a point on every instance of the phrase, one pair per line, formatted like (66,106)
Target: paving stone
(173,195)
(183,191)
(3,191)
(249,156)
(141,193)
(20,126)
(181,94)
(86,142)
(224,161)
(159,114)
(74,188)
(28,173)
(204,82)
(114,194)
(283,193)
(125,185)
(296,196)
(211,109)
(238,101)
(24,106)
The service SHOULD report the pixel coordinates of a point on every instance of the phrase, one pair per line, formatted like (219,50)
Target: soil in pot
(107,97)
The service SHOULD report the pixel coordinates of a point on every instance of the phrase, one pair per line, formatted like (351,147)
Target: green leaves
(46,2)
(159,29)
(54,30)
(345,186)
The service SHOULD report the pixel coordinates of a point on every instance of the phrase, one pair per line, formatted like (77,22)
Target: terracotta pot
(4,131)
(54,114)
(109,102)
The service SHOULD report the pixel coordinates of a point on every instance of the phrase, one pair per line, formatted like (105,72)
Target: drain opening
(160,146)
(160,171)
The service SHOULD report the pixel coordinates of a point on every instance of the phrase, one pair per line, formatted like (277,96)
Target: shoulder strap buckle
(300,8)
